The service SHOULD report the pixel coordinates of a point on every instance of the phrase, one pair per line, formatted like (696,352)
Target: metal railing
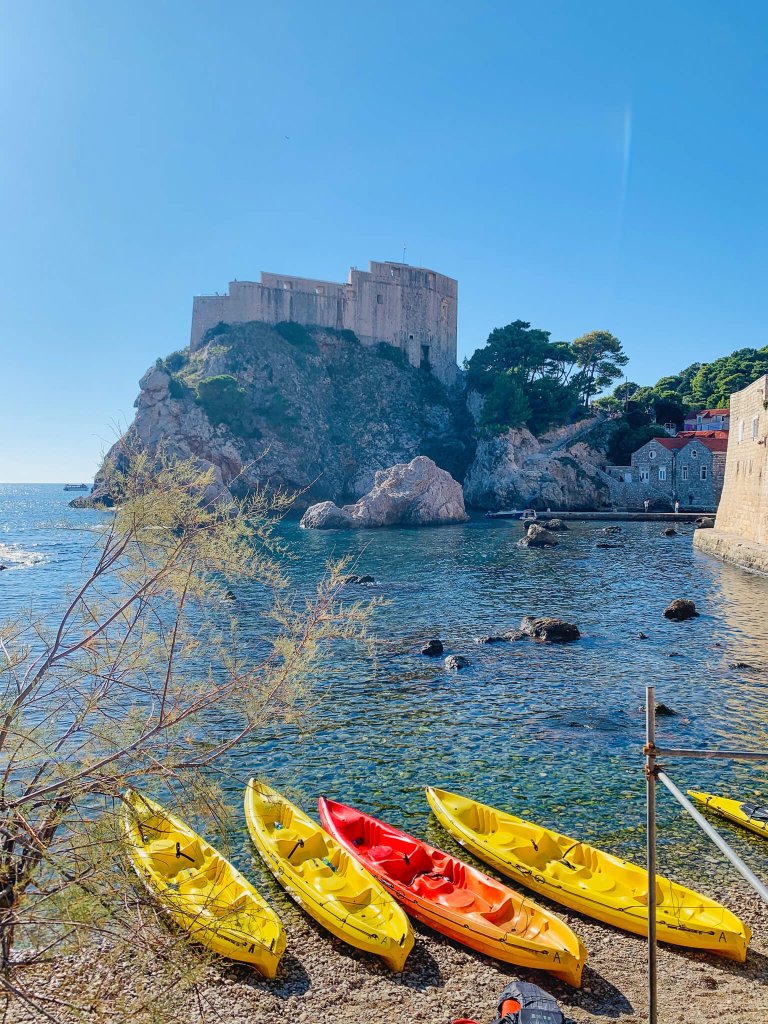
(653,772)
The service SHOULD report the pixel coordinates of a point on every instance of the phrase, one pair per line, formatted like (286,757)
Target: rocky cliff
(560,470)
(303,408)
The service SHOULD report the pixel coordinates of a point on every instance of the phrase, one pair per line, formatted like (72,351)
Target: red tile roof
(703,433)
(715,412)
(673,442)
(715,444)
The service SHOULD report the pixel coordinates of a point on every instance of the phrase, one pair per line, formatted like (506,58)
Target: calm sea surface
(553,732)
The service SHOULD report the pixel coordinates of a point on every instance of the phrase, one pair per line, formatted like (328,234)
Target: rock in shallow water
(432,648)
(554,524)
(537,537)
(680,609)
(550,630)
(417,493)
(456,662)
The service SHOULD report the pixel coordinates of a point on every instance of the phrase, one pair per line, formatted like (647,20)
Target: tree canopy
(528,380)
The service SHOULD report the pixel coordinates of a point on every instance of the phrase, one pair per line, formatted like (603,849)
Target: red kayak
(456,899)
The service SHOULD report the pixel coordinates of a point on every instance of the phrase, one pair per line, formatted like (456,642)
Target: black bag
(754,811)
(536,1005)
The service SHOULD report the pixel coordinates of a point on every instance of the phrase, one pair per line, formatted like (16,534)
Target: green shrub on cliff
(222,398)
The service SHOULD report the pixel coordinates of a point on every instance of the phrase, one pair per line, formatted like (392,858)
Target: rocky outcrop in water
(304,409)
(550,630)
(417,493)
(537,537)
(680,609)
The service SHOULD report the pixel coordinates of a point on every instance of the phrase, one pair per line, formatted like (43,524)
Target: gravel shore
(321,981)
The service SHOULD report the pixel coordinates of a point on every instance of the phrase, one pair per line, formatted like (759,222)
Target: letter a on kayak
(456,899)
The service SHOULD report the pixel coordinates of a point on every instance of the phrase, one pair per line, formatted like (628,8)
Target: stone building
(411,308)
(687,468)
(741,527)
(708,419)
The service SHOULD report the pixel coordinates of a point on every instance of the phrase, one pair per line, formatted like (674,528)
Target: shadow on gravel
(598,996)
(421,972)
(755,970)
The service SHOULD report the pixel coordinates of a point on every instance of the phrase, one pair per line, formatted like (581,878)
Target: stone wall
(411,308)
(741,527)
(744,504)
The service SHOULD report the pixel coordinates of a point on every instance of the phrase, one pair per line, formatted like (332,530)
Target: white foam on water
(15,557)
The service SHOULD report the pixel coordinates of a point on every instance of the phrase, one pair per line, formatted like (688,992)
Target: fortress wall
(743,507)
(407,307)
(741,527)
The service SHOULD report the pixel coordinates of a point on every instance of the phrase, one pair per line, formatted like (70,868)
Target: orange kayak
(456,899)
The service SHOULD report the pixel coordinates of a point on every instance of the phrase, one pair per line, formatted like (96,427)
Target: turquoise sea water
(551,732)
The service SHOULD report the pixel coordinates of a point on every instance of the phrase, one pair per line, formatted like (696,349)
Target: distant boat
(75,487)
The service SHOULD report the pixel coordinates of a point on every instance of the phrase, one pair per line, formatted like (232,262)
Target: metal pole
(650,788)
(715,836)
(723,755)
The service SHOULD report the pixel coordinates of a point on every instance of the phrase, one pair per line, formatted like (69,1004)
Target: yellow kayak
(324,880)
(749,815)
(589,880)
(203,893)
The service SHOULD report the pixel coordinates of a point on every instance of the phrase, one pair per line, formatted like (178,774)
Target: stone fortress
(410,308)
(741,528)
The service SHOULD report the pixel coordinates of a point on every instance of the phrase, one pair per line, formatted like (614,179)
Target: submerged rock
(680,609)
(608,544)
(611,529)
(549,630)
(554,524)
(537,537)
(664,711)
(433,648)
(456,662)
(670,531)
(705,523)
(491,639)
(360,580)
(417,493)
(642,636)
(514,635)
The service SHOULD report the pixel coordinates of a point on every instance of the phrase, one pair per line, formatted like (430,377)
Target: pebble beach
(322,981)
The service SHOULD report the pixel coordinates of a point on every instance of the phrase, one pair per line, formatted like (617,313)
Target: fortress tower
(410,308)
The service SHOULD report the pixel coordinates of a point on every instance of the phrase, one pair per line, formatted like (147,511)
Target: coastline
(322,981)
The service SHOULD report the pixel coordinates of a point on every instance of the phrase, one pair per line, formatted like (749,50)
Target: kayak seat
(380,853)
(500,912)
(568,873)
(169,857)
(641,895)
(458,899)
(326,881)
(430,885)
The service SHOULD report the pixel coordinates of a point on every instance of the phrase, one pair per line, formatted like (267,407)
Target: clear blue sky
(580,165)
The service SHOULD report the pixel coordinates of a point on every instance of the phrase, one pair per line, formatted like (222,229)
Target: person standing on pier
(646,504)
(677,506)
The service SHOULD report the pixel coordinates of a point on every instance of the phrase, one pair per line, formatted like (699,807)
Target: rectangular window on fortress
(644,474)
(662,473)
(755,425)
(741,431)
(703,472)
(379,299)
(684,474)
